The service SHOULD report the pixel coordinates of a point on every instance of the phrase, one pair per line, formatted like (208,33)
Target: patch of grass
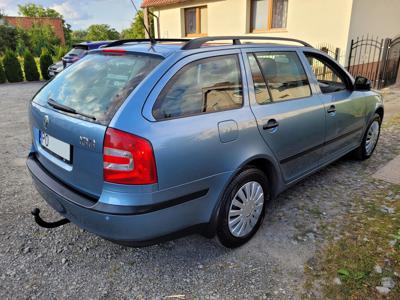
(370,238)
(393,121)
(315,211)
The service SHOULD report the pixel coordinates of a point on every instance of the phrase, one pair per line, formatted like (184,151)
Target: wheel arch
(261,162)
(380,112)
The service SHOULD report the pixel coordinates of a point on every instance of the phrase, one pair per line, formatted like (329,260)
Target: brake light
(128,159)
(114,51)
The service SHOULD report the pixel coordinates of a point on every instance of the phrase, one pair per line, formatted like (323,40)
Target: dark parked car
(77,52)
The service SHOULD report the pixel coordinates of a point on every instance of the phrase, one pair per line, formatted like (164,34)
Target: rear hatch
(70,115)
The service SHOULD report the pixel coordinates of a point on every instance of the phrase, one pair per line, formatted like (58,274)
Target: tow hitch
(42,223)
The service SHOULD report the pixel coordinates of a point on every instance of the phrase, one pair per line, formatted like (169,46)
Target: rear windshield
(98,84)
(76,51)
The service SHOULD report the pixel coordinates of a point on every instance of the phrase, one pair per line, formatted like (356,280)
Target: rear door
(70,115)
(289,117)
(201,126)
(344,109)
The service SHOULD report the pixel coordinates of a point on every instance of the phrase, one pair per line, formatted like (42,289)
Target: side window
(283,74)
(328,78)
(206,85)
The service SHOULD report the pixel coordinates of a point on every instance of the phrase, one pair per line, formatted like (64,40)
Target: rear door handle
(331,109)
(271,124)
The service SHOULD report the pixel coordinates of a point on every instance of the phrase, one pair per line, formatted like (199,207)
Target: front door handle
(331,109)
(271,124)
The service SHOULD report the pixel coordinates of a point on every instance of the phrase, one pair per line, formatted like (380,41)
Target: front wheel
(370,139)
(243,207)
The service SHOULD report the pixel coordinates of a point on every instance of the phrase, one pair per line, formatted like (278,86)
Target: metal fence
(365,58)
(329,49)
(375,58)
(392,63)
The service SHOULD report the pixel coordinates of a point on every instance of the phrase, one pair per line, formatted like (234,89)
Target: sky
(82,13)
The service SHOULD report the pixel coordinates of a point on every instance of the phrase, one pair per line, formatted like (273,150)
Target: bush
(60,52)
(31,71)
(45,62)
(42,37)
(12,67)
(8,38)
(2,74)
(23,42)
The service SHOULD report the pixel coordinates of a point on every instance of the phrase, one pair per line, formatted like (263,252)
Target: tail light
(128,159)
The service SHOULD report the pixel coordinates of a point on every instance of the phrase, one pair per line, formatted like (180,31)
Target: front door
(344,109)
(290,118)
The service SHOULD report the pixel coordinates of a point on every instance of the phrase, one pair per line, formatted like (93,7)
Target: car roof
(166,47)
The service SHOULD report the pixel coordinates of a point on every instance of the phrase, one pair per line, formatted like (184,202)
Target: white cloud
(69,11)
(4,3)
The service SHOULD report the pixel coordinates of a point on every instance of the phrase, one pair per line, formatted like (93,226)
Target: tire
(253,179)
(364,152)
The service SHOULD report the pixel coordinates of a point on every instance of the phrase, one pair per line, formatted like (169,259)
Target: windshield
(98,84)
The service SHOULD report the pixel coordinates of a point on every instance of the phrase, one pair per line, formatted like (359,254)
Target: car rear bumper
(129,225)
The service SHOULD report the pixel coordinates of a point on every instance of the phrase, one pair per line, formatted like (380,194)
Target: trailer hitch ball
(42,223)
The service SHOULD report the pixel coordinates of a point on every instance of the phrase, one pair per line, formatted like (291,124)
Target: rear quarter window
(98,84)
(203,86)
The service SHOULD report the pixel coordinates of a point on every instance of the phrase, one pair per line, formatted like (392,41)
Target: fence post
(337,54)
(350,55)
(382,73)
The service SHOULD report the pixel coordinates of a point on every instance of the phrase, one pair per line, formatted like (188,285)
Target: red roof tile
(154,3)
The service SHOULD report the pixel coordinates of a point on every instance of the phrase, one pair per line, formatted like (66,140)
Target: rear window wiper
(68,109)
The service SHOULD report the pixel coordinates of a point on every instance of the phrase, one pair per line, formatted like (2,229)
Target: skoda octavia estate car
(145,140)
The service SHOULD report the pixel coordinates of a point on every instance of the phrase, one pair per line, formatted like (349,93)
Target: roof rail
(122,42)
(197,43)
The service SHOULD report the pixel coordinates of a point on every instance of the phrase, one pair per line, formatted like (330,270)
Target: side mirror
(362,84)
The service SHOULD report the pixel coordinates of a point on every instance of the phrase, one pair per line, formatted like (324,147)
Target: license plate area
(57,148)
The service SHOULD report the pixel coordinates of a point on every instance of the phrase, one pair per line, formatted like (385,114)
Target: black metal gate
(330,50)
(365,58)
(392,63)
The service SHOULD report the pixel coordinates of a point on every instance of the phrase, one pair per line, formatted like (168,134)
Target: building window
(196,23)
(268,14)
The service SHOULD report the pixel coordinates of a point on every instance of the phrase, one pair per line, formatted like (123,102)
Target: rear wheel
(370,139)
(243,207)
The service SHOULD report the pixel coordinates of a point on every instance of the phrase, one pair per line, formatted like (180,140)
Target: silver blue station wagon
(148,140)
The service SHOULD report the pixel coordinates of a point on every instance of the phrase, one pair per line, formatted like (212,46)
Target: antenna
(152,41)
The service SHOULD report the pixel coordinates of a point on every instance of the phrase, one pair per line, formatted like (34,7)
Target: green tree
(12,67)
(8,38)
(23,42)
(2,74)
(42,37)
(30,68)
(79,36)
(136,31)
(45,62)
(35,10)
(101,32)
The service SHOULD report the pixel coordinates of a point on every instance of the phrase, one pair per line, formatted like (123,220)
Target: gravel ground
(69,262)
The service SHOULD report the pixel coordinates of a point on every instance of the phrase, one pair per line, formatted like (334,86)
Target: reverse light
(128,159)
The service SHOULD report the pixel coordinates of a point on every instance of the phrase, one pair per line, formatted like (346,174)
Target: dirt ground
(71,263)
